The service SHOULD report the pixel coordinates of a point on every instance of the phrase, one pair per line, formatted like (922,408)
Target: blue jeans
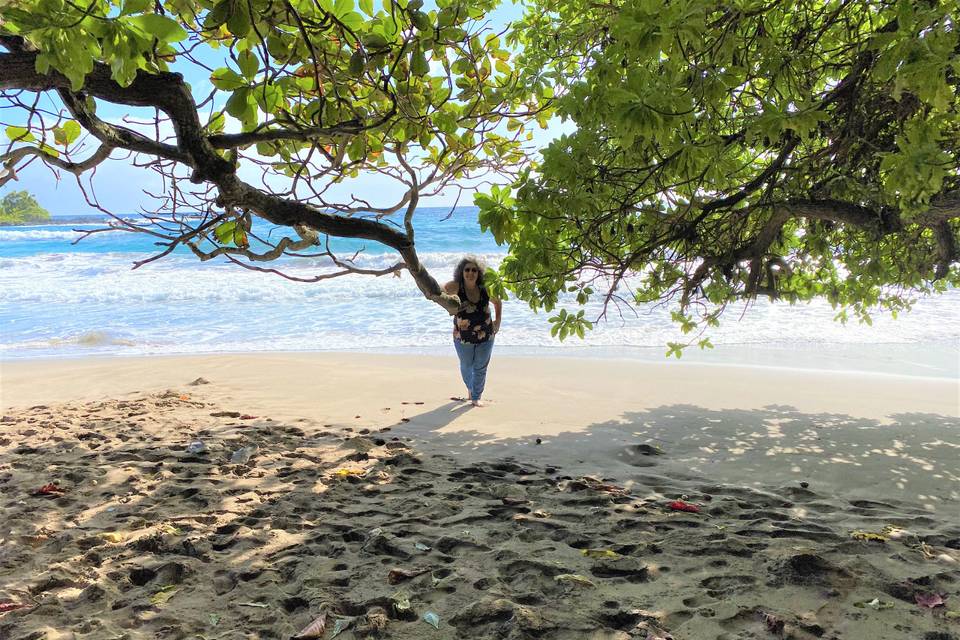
(474,359)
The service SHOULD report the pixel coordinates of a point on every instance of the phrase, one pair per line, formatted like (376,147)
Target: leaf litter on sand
(163,595)
(346,472)
(775,624)
(432,619)
(12,606)
(600,553)
(315,629)
(396,576)
(51,489)
(401,603)
(680,505)
(575,578)
(342,624)
(587,482)
(868,536)
(930,600)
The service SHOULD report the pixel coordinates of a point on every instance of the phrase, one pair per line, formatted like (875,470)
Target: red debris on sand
(51,489)
(12,606)
(929,600)
(247,416)
(680,505)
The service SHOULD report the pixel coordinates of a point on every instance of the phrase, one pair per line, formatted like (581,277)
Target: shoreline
(885,359)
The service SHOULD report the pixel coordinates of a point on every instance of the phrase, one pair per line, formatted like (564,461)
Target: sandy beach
(245,496)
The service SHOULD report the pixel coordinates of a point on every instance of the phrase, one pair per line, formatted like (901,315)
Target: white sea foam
(86,302)
(13,235)
(108,279)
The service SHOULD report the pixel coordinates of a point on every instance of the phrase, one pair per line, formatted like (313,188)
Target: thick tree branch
(947,252)
(118,137)
(11,159)
(881,223)
(291,213)
(234,140)
(169,93)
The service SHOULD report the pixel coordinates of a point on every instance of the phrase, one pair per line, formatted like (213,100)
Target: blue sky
(120,186)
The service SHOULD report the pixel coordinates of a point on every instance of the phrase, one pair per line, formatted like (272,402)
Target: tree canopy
(731,149)
(724,149)
(19,207)
(306,95)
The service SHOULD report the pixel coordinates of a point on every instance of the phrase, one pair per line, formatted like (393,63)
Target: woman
(473,327)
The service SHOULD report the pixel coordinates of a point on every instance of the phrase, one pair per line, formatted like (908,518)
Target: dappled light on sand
(130,518)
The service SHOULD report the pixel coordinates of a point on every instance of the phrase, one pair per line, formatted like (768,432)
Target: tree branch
(233,140)
(10,160)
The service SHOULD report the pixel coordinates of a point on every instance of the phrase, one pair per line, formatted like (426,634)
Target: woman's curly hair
(458,272)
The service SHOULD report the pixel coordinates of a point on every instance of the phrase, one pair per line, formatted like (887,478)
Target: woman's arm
(498,308)
(451,288)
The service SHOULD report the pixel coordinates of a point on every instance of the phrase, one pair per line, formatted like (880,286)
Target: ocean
(63,298)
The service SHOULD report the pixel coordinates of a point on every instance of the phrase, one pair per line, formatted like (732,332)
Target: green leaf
(421,20)
(418,62)
(20,134)
(268,97)
(230,232)
(675,349)
(238,22)
(224,232)
(227,79)
(160,27)
(353,20)
(67,133)
(49,150)
(216,123)
(249,64)
(237,103)
(217,16)
(342,7)
(357,63)
(134,6)
(375,41)
(367,7)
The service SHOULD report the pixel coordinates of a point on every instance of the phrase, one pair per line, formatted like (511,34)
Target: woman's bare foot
(477,403)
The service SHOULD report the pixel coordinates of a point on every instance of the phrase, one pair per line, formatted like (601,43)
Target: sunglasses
(471,270)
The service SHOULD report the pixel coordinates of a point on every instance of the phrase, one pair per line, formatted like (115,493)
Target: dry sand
(371,499)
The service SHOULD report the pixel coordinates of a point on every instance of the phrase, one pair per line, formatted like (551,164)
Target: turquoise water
(438,230)
(68,298)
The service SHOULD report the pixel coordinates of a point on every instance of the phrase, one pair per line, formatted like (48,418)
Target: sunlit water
(65,299)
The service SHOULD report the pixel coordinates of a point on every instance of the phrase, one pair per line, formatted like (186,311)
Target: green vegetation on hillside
(19,207)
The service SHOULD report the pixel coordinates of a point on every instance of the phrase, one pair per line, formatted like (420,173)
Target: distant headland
(19,208)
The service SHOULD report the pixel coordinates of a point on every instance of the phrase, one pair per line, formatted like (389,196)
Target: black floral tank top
(473,322)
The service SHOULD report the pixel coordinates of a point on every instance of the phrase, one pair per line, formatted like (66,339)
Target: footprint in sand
(722,586)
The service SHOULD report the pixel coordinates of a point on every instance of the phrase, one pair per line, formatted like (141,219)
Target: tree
(307,93)
(19,207)
(728,150)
